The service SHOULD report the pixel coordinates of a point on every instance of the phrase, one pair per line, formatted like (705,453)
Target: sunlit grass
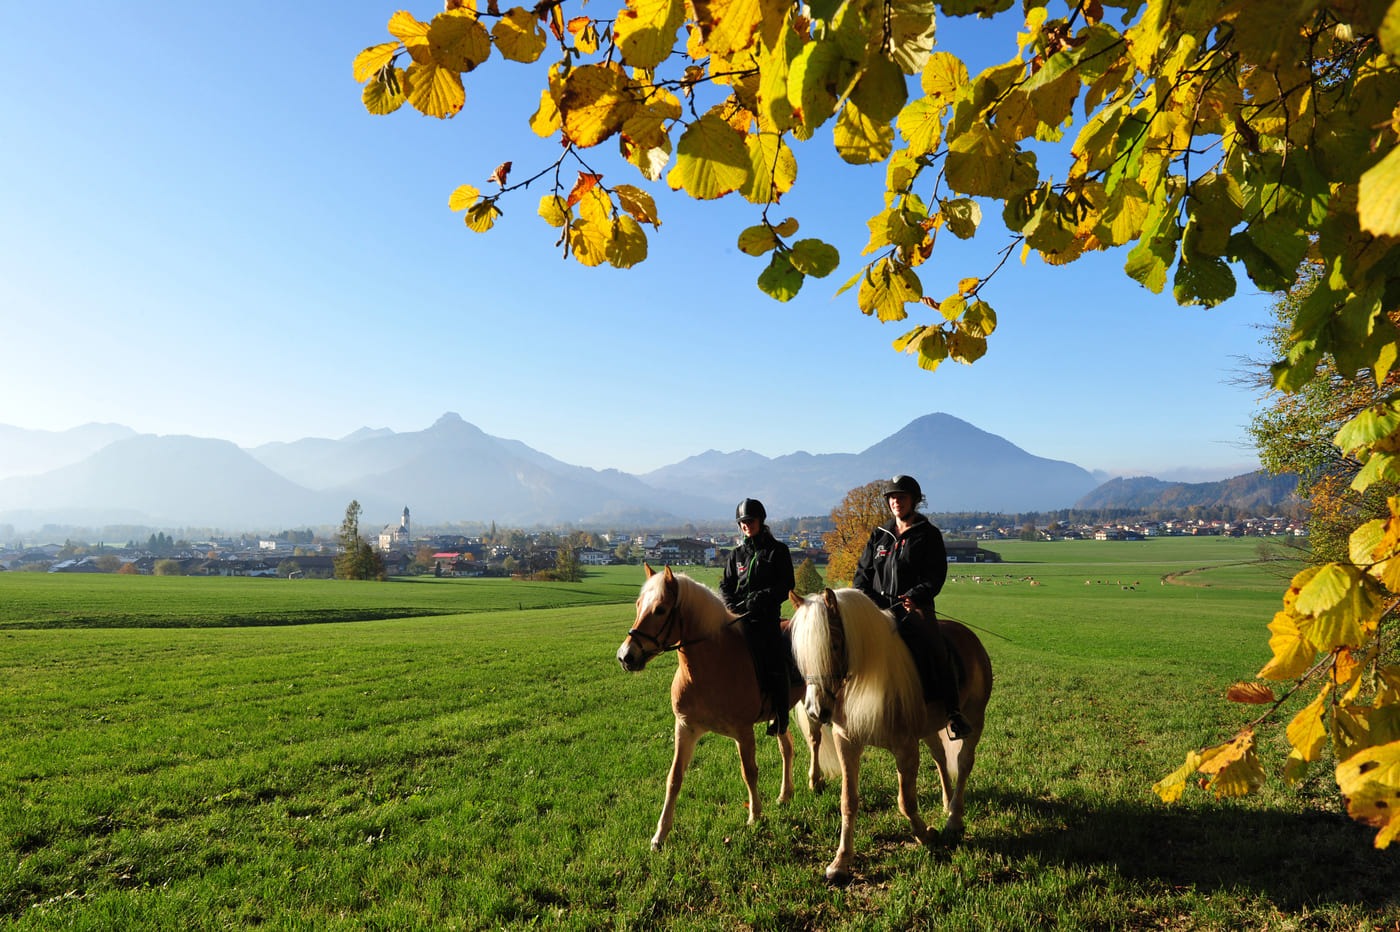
(493,768)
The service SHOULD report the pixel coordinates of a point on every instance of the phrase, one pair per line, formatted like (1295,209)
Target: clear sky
(205,233)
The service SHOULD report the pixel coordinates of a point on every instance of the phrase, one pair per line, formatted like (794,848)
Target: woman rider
(902,568)
(757,578)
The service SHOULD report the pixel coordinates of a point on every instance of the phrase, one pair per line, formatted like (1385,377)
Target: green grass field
(466,754)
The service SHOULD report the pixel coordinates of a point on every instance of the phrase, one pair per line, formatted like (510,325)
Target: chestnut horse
(715,687)
(862,679)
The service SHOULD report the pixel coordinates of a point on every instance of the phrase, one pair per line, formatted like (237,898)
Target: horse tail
(827,758)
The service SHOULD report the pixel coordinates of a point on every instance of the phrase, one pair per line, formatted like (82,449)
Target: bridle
(661,638)
(830,684)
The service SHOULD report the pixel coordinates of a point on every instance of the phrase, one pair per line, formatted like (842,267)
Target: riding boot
(947,685)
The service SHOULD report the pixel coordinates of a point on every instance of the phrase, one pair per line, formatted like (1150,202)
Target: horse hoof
(951,835)
(656,844)
(818,785)
(838,878)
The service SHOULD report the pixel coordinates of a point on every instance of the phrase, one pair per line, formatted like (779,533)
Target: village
(304,554)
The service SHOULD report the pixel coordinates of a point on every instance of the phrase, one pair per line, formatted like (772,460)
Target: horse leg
(785,748)
(816,779)
(839,870)
(748,763)
(955,759)
(685,749)
(906,760)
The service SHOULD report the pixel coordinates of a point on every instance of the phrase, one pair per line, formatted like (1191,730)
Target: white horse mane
(704,611)
(883,695)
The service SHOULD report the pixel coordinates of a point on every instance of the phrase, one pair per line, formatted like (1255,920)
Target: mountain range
(105,474)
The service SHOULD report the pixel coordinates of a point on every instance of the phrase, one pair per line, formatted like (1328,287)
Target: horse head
(819,646)
(657,626)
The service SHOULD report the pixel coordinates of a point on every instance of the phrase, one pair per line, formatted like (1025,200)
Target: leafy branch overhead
(1208,138)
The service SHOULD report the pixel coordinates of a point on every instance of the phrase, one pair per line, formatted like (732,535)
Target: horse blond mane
(883,696)
(702,609)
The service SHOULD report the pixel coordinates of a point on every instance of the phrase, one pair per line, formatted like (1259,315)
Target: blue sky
(205,233)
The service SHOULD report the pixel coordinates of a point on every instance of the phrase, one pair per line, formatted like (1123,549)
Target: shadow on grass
(1295,859)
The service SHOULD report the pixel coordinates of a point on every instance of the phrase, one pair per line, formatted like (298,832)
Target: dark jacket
(894,565)
(758,577)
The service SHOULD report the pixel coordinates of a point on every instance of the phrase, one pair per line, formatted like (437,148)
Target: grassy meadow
(467,754)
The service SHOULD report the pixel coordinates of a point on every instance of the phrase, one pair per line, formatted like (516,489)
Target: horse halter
(825,681)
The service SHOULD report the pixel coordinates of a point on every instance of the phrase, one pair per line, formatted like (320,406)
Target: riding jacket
(757,577)
(894,565)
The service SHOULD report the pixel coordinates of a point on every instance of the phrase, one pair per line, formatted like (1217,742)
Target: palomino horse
(715,687)
(862,679)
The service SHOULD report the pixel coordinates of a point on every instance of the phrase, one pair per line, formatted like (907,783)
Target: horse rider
(903,567)
(757,579)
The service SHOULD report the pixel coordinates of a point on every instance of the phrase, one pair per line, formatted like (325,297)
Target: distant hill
(30,452)
(1256,491)
(959,467)
(453,471)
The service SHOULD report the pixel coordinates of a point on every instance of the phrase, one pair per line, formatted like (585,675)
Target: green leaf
(1204,280)
(810,80)
(962,216)
(860,139)
(815,258)
(757,240)
(780,280)
(921,125)
(1368,428)
(979,319)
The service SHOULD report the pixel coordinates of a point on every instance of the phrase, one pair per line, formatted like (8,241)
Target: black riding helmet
(749,509)
(904,484)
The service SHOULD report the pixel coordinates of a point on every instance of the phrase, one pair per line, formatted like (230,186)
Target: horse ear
(794,598)
(650,572)
(829,598)
(670,577)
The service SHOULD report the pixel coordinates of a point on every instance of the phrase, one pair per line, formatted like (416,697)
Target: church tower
(404,524)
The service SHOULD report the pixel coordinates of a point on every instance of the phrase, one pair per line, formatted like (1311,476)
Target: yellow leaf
(645,30)
(1170,787)
(921,125)
(646,126)
(589,240)
(980,162)
(546,121)
(886,287)
(727,26)
(650,162)
(464,197)
(595,103)
(787,227)
(413,34)
(457,41)
(1252,693)
(1293,654)
(859,139)
(519,35)
(433,90)
(481,217)
(711,160)
(1370,781)
(638,203)
(968,285)
(1378,206)
(1308,730)
(595,204)
(384,96)
(555,210)
(1341,606)
(774,169)
(585,34)
(373,58)
(1294,768)
(1236,770)
(944,77)
(628,244)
